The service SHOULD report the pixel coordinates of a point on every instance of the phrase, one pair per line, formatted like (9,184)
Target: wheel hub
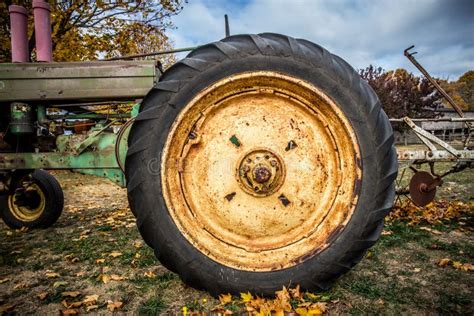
(27,204)
(260,172)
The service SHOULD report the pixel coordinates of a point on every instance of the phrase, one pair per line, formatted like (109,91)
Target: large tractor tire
(36,201)
(260,161)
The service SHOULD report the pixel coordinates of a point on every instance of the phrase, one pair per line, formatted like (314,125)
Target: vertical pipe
(19,33)
(44,46)
(227,29)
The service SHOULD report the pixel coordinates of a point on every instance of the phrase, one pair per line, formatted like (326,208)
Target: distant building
(447,131)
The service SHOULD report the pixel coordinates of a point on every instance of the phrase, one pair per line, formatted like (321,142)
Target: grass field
(94,260)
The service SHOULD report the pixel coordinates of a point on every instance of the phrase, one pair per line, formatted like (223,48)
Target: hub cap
(260,171)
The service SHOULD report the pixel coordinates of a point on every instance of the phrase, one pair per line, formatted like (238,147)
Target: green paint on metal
(41,114)
(97,159)
(234,140)
(114,175)
(92,138)
(21,121)
(135,110)
(56,160)
(76,81)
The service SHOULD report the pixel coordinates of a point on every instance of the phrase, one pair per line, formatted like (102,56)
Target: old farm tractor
(257,161)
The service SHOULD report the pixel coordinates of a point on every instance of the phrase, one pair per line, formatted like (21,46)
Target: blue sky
(362,32)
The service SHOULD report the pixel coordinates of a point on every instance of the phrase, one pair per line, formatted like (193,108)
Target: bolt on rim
(260,171)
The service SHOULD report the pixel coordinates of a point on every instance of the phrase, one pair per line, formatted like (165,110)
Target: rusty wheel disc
(419,195)
(259,171)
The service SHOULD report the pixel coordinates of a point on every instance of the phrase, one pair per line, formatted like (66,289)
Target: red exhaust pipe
(19,33)
(44,45)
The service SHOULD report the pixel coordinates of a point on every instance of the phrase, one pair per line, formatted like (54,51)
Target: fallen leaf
(59,283)
(444,262)
(246,297)
(69,312)
(71,294)
(100,260)
(91,307)
(90,299)
(301,311)
(52,274)
(433,231)
(80,274)
(416,270)
(150,274)
(115,254)
(282,300)
(42,296)
(225,298)
(75,304)
(116,277)
(103,278)
(312,296)
(21,285)
(4,280)
(112,306)
(296,293)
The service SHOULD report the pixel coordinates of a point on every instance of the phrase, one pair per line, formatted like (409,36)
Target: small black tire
(237,54)
(49,211)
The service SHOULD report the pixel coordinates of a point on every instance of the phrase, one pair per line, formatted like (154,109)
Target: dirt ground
(93,260)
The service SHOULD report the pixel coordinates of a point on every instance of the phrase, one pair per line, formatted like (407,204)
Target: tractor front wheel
(36,201)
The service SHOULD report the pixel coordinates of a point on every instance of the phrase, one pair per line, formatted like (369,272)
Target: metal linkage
(428,138)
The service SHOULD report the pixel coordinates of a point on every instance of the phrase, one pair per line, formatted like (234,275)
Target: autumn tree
(402,93)
(88,29)
(467,88)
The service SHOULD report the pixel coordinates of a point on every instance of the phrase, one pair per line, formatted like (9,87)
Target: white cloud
(362,32)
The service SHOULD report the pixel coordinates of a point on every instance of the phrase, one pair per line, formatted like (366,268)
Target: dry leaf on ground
(225,298)
(4,280)
(90,299)
(42,296)
(52,274)
(115,254)
(71,293)
(112,306)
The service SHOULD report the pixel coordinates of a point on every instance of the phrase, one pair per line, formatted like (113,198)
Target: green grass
(401,235)
(152,306)
(161,281)
(449,303)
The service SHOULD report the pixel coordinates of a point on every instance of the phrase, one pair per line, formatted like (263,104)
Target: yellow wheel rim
(26,213)
(260,171)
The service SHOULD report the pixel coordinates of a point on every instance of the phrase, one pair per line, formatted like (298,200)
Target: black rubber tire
(237,54)
(53,205)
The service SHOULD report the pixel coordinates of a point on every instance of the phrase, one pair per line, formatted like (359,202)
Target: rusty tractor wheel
(260,161)
(36,201)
